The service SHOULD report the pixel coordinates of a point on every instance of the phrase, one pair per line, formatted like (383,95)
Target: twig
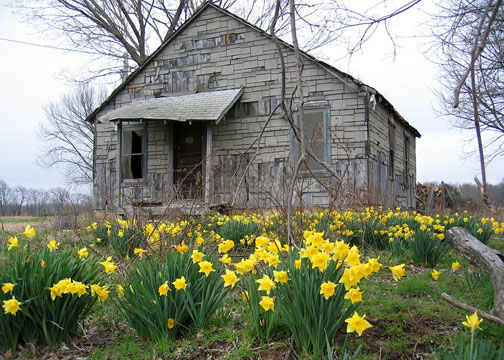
(470,308)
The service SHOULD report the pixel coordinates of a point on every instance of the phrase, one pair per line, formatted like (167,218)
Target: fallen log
(483,257)
(471,309)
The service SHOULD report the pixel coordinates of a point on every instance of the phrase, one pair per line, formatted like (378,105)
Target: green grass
(22,219)
(409,317)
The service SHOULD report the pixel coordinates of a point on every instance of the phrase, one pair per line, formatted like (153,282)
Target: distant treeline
(495,192)
(19,201)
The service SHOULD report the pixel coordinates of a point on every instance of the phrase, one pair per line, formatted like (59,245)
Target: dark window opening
(406,160)
(391,150)
(132,153)
(251,108)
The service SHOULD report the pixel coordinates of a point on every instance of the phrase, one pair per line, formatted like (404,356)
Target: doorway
(188,155)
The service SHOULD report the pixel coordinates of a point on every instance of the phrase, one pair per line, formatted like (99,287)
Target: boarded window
(179,81)
(315,119)
(391,130)
(133,144)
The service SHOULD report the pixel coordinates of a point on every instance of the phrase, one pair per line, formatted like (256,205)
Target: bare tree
(110,27)
(5,192)
(68,137)
(469,35)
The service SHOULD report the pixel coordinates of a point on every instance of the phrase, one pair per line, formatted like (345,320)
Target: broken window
(391,131)
(133,145)
(316,122)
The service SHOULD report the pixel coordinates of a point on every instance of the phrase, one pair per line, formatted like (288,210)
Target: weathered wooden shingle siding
(390,187)
(216,52)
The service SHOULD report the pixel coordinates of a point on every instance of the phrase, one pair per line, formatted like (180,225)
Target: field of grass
(408,317)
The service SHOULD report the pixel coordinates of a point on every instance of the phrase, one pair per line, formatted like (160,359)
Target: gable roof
(331,69)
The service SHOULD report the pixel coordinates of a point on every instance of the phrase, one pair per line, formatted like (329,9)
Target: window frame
(131,126)
(313,106)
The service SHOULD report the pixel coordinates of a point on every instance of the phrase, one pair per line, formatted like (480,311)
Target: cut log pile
(437,197)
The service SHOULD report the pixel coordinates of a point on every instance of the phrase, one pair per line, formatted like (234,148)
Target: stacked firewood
(437,197)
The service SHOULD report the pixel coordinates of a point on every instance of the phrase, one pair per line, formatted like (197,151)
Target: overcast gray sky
(31,77)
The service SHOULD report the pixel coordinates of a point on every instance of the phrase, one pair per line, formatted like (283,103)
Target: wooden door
(188,156)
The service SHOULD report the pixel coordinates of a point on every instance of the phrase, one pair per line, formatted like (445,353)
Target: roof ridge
(343,76)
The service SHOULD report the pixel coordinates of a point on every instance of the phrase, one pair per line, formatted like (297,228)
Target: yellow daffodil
(340,250)
(109,265)
(230,278)
(120,233)
(354,295)
(473,322)
(281,276)
(455,266)
(267,303)
(244,295)
(11,306)
(244,266)
(273,260)
(180,284)
(120,291)
(171,323)
(197,256)
(397,271)
(374,265)
(8,287)
(435,274)
(182,248)
(357,323)
(13,243)
(225,246)
(56,290)
(83,253)
(225,259)
(164,288)
(100,291)
(139,252)
(206,267)
(42,264)
(320,260)
(98,240)
(262,241)
(266,284)
(53,245)
(353,257)
(29,232)
(327,289)
(297,264)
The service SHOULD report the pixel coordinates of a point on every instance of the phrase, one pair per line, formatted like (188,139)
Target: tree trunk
(484,257)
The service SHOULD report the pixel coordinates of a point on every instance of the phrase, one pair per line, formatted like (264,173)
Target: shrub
(426,248)
(306,312)
(262,321)
(41,317)
(308,289)
(156,312)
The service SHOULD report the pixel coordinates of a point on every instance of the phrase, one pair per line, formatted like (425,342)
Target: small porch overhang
(205,106)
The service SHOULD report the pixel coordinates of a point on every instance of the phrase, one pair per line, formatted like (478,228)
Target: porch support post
(208,162)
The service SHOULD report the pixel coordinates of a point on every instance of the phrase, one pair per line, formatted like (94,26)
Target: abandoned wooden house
(198,122)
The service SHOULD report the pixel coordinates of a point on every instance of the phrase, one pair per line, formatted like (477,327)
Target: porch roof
(205,106)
